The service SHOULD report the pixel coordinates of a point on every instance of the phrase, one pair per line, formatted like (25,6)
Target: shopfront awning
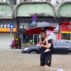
(42,24)
(29,9)
(5,11)
(65,10)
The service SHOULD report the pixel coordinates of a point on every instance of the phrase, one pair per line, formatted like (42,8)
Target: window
(66,36)
(12,2)
(1,26)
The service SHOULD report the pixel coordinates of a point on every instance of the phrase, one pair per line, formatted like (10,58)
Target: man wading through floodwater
(46,50)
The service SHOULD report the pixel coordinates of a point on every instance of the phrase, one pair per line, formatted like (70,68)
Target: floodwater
(14,60)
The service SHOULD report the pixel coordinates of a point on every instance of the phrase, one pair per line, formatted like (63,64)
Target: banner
(66,27)
(7,30)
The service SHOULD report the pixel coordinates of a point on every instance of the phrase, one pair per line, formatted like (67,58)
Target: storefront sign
(66,27)
(6,25)
(6,28)
(69,26)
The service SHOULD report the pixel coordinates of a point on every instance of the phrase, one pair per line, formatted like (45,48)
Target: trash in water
(60,69)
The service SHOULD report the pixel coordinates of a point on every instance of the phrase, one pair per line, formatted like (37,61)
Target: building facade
(18,14)
(7,25)
(64,13)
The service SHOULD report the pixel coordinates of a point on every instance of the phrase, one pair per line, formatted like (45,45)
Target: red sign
(66,27)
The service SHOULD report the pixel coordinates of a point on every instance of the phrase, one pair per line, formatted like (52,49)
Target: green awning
(65,10)
(5,11)
(28,9)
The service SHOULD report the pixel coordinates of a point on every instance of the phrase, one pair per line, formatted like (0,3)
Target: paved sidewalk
(14,60)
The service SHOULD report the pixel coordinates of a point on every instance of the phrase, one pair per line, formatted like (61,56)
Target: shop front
(66,30)
(6,22)
(31,13)
(64,14)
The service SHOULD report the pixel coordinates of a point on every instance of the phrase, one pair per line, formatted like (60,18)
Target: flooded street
(14,60)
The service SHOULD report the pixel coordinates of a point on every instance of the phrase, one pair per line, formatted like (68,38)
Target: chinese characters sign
(6,28)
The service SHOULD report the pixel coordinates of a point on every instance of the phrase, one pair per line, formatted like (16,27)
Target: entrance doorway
(6,40)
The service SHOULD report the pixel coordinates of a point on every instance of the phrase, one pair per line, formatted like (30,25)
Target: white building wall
(4,0)
(1,0)
(18,1)
(51,1)
(39,0)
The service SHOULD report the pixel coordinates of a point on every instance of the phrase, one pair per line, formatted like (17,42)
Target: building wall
(54,2)
(1,0)
(51,1)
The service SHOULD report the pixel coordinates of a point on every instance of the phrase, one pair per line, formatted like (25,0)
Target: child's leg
(47,50)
